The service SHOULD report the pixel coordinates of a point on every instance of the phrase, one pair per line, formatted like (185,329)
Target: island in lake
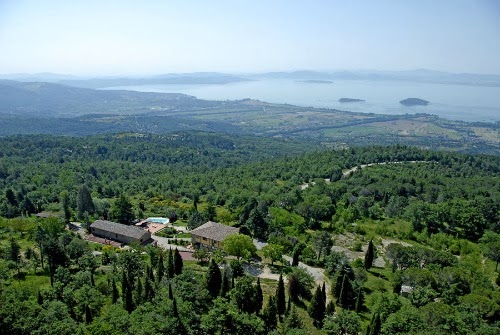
(316,81)
(350,100)
(414,102)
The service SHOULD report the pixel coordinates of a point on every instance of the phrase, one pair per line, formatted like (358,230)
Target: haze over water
(454,102)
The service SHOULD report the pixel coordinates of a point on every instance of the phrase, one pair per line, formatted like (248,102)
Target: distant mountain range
(215,78)
(51,99)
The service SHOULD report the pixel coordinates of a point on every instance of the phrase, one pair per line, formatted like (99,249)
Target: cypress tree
(214,279)
(128,304)
(161,268)
(330,308)
(294,288)
(344,270)
(316,308)
(151,274)
(40,298)
(259,298)
(269,314)
(375,325)
(369,255)
(84,202)
(176,312)
(346,294)
(148,289)
(323,291)
(170,293)
(114,292)
(170,265)
(359,300)
(224,288)
(280,296)
(178,263)
(138,297)
(88,315)
(124,285)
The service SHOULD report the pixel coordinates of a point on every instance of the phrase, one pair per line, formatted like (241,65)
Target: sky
(125,37)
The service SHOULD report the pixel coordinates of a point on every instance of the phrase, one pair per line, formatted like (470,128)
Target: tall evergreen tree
(11,197)
(170,265)
(128,303)
(344,270)
(40,298)
(294,288)
(330,308)
(375,325)
(139,292)
(114,292)
(170,293)
(269,314)
(210,211)
(280,296)
(148,289)
(323,291)
(259,298)
(257,224)
(65,206)
(161,268)
(225,286)
(150,273)
(214,279)
(122,210)
(88,314)
(369,255)
(14,251)
(317,308)
(178,263)
(359,300)
(346,297)
(84,202)
(176,312)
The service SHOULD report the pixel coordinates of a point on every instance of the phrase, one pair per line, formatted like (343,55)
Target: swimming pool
(158,220)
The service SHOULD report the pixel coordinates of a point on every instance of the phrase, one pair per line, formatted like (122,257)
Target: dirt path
(264,271)
(347,173)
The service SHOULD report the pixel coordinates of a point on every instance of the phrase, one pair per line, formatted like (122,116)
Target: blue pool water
(158,220)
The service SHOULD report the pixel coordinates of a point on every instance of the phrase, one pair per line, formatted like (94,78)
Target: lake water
(456,102)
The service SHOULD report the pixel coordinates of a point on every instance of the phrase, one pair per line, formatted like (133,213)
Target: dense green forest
(418,220)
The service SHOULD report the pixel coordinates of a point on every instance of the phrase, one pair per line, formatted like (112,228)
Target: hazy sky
(94,37)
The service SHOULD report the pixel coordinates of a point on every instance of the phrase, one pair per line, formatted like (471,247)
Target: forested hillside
(408,239)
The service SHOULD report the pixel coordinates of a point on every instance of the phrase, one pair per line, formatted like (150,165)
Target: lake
(455,102)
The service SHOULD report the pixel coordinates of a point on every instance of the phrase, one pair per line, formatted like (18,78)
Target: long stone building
(119,232)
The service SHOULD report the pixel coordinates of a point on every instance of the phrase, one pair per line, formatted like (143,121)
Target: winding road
(348,172)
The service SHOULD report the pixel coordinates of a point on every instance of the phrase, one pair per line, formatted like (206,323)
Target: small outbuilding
(119,232)
(211,234)
(406,290)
